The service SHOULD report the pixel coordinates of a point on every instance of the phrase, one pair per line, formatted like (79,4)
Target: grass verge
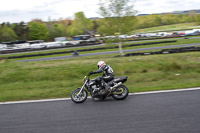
(58,78)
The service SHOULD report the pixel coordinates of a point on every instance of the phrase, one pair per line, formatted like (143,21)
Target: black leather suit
(108,75)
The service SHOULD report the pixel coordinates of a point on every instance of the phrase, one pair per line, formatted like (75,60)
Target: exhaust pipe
(118,84)
(111,88)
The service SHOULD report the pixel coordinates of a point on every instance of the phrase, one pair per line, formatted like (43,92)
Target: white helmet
(100,64)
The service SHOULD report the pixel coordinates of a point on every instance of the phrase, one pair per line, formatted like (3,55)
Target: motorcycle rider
(108,75)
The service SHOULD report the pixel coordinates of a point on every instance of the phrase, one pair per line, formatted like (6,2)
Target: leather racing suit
(108,75)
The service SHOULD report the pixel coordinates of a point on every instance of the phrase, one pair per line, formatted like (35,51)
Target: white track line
(65,99)
(165,91)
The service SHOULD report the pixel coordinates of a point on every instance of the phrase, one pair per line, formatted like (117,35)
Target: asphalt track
(171,112)
(110,52)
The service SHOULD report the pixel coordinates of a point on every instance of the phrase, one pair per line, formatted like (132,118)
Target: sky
(15,11)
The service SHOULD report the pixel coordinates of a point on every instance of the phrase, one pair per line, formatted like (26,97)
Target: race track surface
(171,112)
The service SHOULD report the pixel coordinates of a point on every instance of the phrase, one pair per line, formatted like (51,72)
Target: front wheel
(79,98)
(120,93)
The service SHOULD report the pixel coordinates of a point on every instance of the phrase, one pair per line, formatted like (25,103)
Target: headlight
(84,79)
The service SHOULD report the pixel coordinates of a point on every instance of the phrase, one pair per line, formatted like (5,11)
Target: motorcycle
(117,90)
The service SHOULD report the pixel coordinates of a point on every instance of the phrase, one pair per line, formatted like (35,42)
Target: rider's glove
(90,73)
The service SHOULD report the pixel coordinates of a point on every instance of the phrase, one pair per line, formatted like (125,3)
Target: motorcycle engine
(94,87)
(102,92)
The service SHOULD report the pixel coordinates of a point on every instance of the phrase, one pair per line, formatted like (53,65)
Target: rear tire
(81,98)
(123,94)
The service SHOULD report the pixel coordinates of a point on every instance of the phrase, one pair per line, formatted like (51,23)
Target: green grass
(58,78)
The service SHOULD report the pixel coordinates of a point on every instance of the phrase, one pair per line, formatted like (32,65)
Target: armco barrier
(166,51)
(150,43)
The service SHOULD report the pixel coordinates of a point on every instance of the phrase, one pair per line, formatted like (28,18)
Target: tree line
(166,19)
(41,30)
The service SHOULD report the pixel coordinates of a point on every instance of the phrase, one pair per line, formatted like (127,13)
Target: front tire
(122,95)
(82,96)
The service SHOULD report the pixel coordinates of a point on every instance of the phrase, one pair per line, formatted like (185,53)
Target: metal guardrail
(167,51)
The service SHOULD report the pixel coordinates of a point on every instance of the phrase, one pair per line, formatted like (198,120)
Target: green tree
(21,30)
(80,25)
(197,19)
(65,24)
(106,26)
(157,21)
(38,31)
(7,34)
(118,16)
(96,24)
(57,30)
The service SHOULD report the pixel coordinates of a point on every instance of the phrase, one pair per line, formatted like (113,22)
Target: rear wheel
(120,93)
(79,98)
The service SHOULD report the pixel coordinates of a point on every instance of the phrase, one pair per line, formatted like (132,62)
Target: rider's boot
(106,86)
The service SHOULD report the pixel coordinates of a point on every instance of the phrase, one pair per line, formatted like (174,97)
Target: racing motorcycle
(117,90)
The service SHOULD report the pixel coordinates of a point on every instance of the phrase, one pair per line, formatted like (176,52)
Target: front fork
(82,88)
